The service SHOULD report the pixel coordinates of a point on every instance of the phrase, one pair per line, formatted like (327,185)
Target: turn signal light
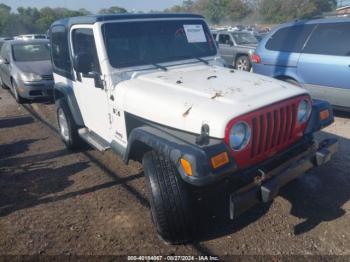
(186,166)
(220,160)
(324,115)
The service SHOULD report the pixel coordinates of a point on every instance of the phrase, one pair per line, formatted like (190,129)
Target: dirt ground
(87,203)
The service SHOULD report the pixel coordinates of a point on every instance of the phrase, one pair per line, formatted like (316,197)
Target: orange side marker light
(186,166)
(220,160)
(324,115)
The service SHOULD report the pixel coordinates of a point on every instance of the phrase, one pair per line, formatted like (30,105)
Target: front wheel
(18,97)
(170,200)
(243,63)
(2,84)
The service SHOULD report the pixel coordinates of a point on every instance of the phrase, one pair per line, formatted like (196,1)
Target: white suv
(152,88)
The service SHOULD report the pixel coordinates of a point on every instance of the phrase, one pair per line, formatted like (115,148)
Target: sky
(95,5)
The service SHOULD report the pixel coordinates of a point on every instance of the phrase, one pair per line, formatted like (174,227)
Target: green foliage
(276,11)
(216,11)
(272,11)
(31,20)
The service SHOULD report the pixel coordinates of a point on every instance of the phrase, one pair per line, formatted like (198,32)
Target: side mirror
(82,63)
(230,43)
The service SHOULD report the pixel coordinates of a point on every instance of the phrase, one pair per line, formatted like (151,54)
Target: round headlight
(239,136)
(304,111)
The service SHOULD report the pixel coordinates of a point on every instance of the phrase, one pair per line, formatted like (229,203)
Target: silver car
(25,68)
(236,48)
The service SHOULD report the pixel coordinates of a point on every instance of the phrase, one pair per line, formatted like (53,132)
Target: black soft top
(92,19)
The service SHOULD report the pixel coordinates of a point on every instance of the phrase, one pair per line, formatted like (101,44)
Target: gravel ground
(87,203)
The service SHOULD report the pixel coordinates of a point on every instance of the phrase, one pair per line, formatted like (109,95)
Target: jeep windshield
(152,42)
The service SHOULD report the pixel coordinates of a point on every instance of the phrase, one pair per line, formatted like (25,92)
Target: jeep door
(324,65)
(226,47)
(88,87)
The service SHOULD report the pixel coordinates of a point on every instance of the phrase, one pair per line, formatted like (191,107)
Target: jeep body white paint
(152,88)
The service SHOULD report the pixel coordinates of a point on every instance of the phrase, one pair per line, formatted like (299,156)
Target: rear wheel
(243,63)
(170,200)
(67,127)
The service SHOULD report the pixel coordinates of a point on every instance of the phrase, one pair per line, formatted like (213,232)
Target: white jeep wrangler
(152,88)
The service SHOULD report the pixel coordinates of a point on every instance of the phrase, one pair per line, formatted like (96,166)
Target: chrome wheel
(63,125)
(243,64)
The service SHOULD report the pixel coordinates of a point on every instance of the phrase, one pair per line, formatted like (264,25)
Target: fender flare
(315,123)
(65,92)
(146,138)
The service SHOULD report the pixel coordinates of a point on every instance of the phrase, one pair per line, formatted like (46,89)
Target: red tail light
(256,59)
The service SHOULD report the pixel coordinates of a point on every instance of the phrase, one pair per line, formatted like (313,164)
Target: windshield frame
(15,59)
(148,65)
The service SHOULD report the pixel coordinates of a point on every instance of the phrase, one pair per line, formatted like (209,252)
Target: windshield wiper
(160,67)
(202,60)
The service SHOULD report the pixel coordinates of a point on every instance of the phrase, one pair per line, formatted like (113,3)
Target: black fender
(146,138)
(315,123)
(65,92)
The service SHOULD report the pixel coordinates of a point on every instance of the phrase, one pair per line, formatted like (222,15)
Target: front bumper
(266,186)
(40,89)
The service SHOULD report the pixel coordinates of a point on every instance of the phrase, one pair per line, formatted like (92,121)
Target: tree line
(33,20)
(268,11)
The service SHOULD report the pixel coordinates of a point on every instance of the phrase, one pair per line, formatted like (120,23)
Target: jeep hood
(188,97)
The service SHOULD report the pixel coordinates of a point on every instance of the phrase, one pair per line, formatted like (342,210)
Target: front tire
(18,97)
(243,63)
(67,127)
(3,86)
(170,200)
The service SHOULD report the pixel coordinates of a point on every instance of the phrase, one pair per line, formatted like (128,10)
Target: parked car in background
(25,68)
(260,35)
(313,54)
(236,48)
(31,37)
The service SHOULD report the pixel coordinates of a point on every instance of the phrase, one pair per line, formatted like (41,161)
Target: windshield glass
(244,38)
(142,43)
(31,52)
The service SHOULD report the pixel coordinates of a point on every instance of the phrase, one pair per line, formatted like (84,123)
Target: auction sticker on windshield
(195,33)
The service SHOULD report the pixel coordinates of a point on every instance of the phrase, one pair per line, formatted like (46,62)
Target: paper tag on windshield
(195,33)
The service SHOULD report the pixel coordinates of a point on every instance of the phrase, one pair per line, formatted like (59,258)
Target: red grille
(273,128)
